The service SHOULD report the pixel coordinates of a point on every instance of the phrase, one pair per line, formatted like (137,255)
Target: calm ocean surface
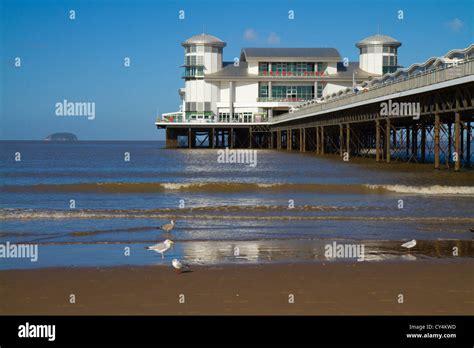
(233,213)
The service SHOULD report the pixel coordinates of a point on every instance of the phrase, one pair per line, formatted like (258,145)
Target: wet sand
(438,287)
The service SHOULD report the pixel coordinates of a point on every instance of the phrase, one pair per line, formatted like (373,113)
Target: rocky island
(61,137)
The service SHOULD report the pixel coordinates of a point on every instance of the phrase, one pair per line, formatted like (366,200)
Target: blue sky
(82,59)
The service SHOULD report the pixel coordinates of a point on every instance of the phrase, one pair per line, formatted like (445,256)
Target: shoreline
(429,287)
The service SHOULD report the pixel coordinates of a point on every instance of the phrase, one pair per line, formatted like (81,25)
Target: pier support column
(289,139)
(341,140)
(171,138)
(450,143)
(468,144)
(250,137)
(278,139)
(302,140)
(436,141)
(212,141)
(423,143)
(190,138)
(414,141)
(322,140)
(377,140)
(387,140)
(348,139)
(407,131)
(317,140)
(457,140)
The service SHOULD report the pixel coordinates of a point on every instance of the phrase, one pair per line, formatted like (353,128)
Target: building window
(194,60)
(262,67)
(320,90)
(305,92)
(224,117)
(279,67)
(200,49)
(263,91)
(363,50)
(386,49)
(279,92)
(193,71)
(389,64)
(191,60)
(293,92)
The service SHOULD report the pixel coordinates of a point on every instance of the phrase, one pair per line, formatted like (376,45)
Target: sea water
(100,203)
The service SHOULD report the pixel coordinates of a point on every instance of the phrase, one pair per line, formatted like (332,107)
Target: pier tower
(378,54)
(202,55)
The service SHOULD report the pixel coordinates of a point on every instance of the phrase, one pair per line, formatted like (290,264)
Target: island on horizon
(61,137)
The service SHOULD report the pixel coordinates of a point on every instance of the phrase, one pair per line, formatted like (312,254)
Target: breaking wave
(224,187)
(222,213)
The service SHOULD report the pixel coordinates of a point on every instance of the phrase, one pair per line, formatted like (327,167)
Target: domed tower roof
(378,40)
(204,39)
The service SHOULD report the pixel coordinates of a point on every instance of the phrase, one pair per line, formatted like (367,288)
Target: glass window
(192,49)
(385,60)
(262,67)
(224,117)
(363,50)
(263,91)
(386,49)
(200,49)
(200,60)
(279,67)
(278,91)
(320,90)
(319,67)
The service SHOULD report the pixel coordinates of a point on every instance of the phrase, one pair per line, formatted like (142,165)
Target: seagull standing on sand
(180,266)
(409,244)
(168,227)
(161,247)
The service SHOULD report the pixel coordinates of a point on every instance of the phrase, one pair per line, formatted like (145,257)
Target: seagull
(168,227)
(409,244)
(161,247)
(180,266)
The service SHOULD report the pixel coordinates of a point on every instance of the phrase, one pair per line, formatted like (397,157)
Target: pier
(350,123)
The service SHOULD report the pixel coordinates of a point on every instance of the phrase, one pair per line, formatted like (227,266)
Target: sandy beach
(429,288)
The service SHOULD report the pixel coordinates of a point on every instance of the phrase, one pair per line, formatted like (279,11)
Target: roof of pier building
(204,39)
(293,54)
(379,40)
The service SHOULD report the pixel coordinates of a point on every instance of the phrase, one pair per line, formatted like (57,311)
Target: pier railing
(420,79)
(179,118)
